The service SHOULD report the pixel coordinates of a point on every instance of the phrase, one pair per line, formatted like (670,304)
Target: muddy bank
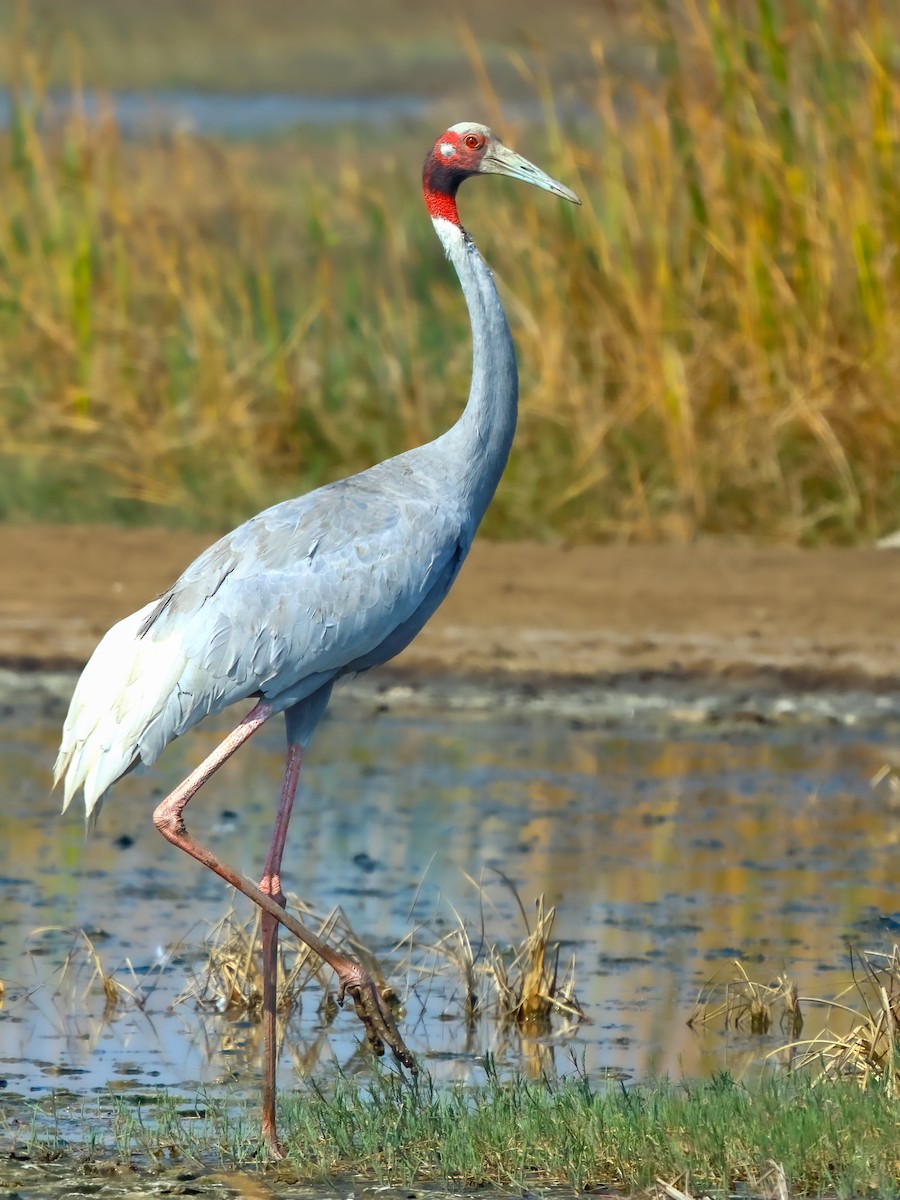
(705,619)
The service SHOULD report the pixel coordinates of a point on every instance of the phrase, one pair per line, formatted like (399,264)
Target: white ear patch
(447,149)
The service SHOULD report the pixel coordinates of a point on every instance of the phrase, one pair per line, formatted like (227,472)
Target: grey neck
(482,437)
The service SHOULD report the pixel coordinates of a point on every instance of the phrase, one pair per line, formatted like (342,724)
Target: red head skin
(454,157)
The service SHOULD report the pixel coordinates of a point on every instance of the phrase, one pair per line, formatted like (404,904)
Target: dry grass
(83,973)
(269,46)
(189,331)
(517,985)
(861,1041)
(771,1184)
(746,1005)
(513,987)
(527,983)
(868,1051)
(229,978)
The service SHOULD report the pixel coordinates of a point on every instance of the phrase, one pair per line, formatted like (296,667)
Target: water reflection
(665,856)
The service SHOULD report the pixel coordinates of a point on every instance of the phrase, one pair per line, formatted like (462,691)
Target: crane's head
(469,149)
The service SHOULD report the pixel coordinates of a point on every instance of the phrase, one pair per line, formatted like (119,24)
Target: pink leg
(270,884)
(168,818)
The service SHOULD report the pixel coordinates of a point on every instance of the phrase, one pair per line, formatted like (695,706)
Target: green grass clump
(717,1134)
(709,1138)
(191,330)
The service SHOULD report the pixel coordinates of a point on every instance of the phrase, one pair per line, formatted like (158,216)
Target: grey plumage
(309,591)
(315,588)
(323,586)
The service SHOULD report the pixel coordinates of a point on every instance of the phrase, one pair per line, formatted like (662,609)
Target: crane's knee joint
(270,885)
(169,822)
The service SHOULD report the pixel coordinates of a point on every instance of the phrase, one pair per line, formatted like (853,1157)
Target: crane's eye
(473,141)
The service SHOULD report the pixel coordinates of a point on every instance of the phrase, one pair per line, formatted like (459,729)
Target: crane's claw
(375,1014)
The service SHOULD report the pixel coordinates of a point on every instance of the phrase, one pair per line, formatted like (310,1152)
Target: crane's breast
(332,583)
(296,596)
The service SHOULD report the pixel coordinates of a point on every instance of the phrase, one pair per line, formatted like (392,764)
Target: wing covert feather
(329,584)
(313,586)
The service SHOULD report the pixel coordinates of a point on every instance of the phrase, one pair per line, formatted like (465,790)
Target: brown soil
(585,611)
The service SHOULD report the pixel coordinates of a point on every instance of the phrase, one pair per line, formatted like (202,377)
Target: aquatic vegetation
(859,1041)
(190,329)
(711,1138)
(867,1051)
(742,1002)
(518,986)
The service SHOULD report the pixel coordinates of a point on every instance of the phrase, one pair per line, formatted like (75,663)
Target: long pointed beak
(500,160)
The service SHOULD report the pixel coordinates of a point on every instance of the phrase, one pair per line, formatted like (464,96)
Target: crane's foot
(375,1013)
(274,1151)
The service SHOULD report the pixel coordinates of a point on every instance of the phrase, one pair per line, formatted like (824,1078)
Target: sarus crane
(305,593)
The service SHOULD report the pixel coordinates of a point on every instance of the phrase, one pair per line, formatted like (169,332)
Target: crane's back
(326,585)
(332,583)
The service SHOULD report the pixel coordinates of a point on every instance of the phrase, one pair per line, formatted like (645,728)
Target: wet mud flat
(643,701)
(630,635)
(593,613)
(121,1181)
(29,1180)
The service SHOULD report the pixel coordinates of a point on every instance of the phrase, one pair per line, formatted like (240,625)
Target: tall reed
(191,329)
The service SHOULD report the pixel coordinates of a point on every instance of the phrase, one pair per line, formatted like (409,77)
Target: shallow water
(667,855)
(252,114)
